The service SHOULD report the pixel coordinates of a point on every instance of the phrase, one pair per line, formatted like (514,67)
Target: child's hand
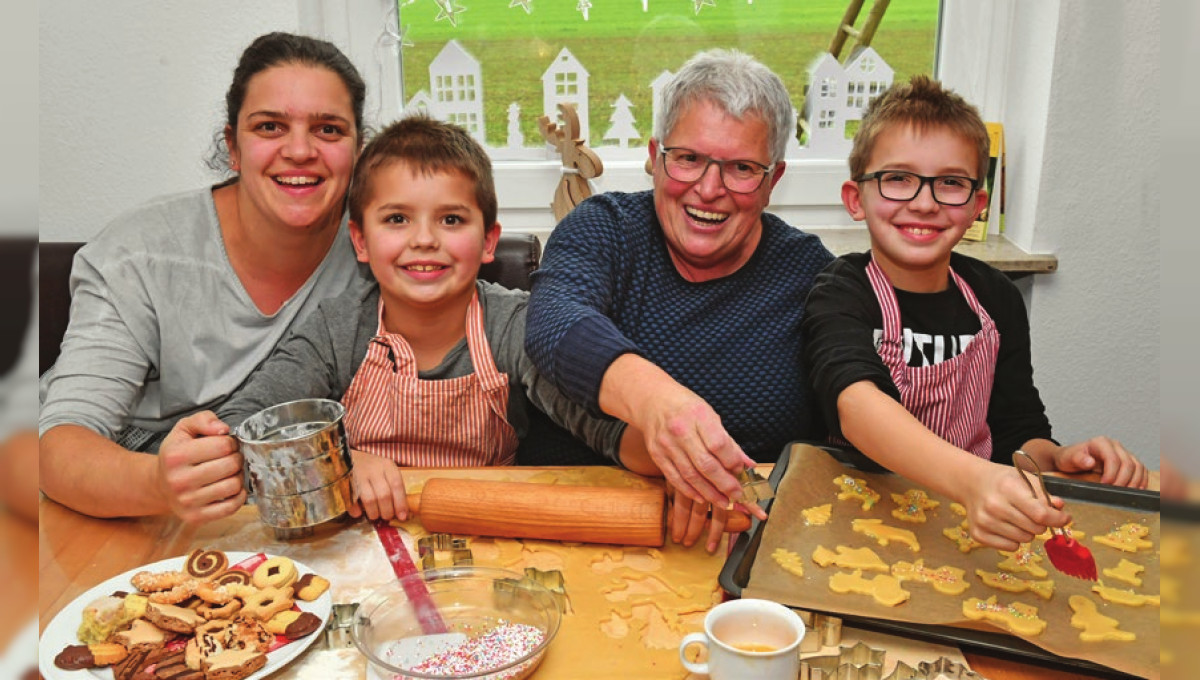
(1003,513)
(1106,456)
(378,488)
(688,518)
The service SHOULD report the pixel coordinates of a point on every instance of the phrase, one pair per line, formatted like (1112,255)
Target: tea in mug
(756,647)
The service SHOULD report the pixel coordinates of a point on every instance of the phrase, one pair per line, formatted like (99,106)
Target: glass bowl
(456,622)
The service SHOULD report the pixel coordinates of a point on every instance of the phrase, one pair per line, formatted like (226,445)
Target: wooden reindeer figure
(579,162)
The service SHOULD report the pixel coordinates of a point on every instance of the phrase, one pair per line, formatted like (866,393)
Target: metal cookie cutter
(337,629)
(860,662)
(429,546)
(755,487)
(822,630)
(948,668)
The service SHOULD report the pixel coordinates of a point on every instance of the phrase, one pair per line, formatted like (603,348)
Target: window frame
(973,45)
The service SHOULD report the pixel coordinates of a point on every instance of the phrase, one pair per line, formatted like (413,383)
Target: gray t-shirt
(161,326)
(320,357)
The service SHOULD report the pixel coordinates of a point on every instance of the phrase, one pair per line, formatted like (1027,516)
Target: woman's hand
(1001,511)
(378,488)
(200,469)
(1116,465)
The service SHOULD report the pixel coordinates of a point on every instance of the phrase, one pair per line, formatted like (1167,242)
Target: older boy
(920,356)
(428,361)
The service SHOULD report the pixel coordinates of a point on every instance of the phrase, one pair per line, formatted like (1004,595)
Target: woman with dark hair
(176,302)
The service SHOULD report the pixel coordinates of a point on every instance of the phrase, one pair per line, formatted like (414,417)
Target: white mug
(748,638)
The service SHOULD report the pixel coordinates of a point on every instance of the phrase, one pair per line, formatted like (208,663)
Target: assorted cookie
(206,621)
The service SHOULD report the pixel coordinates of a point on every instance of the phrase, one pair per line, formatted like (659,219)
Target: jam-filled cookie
(277,572)
(268,602)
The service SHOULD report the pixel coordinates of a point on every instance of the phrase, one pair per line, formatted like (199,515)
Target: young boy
(428,361)
(920,357)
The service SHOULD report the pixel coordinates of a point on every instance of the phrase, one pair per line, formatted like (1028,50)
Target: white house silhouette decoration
(836,94)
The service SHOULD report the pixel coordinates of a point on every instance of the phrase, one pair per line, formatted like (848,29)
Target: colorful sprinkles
(495,648)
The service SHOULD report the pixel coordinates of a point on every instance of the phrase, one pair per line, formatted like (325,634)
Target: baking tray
(735,574)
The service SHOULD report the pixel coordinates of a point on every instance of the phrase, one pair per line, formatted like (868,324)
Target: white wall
(1096,206)
(131,93)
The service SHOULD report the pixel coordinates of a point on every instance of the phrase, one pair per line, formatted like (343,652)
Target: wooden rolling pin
(585,514)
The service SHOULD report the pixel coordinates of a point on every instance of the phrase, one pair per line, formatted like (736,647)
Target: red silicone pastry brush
(1066,554)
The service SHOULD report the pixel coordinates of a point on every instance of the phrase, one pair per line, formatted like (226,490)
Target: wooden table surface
(76,552)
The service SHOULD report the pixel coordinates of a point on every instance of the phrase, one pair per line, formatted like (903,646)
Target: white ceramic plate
(61,631)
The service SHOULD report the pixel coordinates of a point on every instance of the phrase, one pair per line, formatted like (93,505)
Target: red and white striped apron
(390,412)
(950,398)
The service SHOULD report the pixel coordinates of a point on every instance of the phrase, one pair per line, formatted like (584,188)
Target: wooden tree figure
(579,162)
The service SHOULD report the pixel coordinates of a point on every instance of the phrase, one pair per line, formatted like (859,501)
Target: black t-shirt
(843,322)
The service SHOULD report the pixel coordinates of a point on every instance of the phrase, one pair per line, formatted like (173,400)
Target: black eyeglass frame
(878,177)
(767,169)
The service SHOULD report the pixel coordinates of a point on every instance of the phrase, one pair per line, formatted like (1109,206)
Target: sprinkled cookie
(912,504)
(1023,560)
(1096,627)
(1125,597)
(885,589)
(876,529)
(962,536)
(1068,531)
(849,558)
(1129,537)
(1126,572)
(948,580)
(1018,617)
(856,489)
(789,561)
(817,515)
(1011,584)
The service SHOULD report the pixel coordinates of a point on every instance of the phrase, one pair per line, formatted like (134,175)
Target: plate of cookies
(209,615)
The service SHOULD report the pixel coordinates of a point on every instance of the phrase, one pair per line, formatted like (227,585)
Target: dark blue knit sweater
(607,286)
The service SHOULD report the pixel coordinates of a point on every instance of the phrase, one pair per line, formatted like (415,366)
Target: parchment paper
(808,481)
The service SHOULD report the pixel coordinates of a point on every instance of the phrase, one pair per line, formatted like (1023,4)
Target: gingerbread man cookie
(947,579)
(817,515)
(1096,627)
(962,536)
(1017,617)
(912,505)
(1126,572)
(883,588)
(789,561)
(1011,584)
(853,488)
(849,558)
(876,529)
(1129,537)
(1023,560)
(1125,597)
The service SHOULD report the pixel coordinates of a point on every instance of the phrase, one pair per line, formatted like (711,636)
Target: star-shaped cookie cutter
(860,662)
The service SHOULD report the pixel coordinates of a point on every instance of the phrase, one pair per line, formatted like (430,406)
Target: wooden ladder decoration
(579,163)
(862,37)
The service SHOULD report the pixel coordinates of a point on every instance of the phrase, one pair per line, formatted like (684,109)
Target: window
(524,61)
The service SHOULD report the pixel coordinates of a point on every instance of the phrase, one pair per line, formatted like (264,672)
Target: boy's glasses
(739,176)
(897,185)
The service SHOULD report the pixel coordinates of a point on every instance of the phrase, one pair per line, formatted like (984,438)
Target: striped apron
(950,398)
(392,413)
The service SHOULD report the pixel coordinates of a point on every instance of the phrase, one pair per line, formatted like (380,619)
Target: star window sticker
(448,10)
(698,4)
(523,4)
(583,6)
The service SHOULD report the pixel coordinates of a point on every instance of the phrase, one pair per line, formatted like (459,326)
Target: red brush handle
(427,612)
